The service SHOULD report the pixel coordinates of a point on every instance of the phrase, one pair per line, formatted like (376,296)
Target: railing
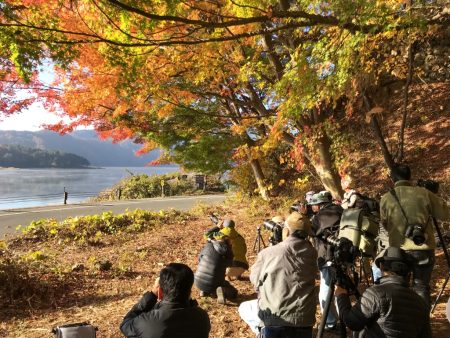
(65,195)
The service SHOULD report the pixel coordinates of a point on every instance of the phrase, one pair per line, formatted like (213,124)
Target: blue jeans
(286,332)
(326,274)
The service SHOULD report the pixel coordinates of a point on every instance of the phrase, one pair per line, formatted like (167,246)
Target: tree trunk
(388,159)
(259,177)
(323,163)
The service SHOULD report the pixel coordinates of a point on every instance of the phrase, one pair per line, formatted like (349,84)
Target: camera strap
(392,191)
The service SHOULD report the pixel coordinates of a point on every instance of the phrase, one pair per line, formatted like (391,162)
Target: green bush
(144,186)
(89,229)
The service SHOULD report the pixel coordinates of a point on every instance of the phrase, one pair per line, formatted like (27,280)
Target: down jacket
(238,245)
(388,310)
(149,319)
(213,261)
(284,275)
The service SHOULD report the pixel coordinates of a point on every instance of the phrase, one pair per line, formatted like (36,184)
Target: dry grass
(103,298)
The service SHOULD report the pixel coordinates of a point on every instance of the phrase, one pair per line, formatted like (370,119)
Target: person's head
(308,196)
(320,199)
(347,183)
(298,223)
(176,281)
(400,172)
(278,219)
(394,261)
(228,223)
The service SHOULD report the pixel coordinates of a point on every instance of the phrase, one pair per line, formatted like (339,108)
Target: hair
(396,267)
(176,281)
(400,172)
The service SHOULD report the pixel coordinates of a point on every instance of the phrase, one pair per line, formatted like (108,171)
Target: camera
(214,219)
(301,207)
(343,249)
(430,185)
(344,256)
(416,232)
(276,229)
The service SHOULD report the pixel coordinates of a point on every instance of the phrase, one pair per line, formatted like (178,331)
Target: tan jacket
(419,205)
(284,275)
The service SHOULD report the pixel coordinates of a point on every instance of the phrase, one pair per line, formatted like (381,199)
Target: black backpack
(368,204)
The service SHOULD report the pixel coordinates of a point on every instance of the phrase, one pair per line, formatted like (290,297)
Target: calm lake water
(21,188)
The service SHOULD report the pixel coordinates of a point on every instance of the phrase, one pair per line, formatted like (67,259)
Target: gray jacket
(388,310)
(284,275)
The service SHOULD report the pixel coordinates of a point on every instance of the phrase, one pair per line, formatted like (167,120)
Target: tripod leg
(440,293)
(326,310)
(447,257)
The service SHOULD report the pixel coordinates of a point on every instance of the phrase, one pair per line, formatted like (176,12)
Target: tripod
(258,240)
(447,258)
(329,299)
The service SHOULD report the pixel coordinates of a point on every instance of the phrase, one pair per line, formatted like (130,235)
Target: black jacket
(215,257)
(388,310)
(148,319)
(325,223)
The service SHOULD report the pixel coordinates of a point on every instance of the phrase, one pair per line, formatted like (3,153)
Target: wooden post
(65,195)
(162,188)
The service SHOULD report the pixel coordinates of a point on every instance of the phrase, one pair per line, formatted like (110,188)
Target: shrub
(144,186)
(89,229)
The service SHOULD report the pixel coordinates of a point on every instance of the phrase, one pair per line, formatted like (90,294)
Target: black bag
(77,330)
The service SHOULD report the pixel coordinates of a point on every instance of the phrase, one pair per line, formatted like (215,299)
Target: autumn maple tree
(215,83)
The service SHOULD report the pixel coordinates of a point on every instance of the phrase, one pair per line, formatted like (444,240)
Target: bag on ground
(76,330)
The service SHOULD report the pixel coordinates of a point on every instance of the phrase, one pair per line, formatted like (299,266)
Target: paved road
(10,219)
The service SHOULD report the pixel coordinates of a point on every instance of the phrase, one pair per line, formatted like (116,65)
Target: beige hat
(278,219)
(297,221)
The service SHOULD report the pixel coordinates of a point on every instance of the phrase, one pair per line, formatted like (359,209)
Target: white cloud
(31,119)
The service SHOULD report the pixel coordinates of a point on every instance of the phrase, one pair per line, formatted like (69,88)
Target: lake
(20,188)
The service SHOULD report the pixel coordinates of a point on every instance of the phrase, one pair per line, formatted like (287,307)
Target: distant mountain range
(84,143)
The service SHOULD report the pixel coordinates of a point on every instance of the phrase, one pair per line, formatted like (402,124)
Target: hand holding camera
(156,289)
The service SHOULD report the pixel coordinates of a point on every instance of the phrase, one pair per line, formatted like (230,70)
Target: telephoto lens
(214,218)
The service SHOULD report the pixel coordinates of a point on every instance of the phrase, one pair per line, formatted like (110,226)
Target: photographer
(238,246)
(406,214)
(167,310)
(325,223)
(213,260)
(284,276)
(389,309)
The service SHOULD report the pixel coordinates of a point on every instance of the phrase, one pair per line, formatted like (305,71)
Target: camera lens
(418,236)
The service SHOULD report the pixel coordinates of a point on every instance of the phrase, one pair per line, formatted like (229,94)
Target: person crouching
(213,261)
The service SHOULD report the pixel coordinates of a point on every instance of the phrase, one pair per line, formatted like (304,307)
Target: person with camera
(284,276)
(390,309)
(406,217)
(167,310)
(213,261)
(325,223)
(238,246)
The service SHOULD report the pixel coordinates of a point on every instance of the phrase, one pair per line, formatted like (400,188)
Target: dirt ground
(103,298)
